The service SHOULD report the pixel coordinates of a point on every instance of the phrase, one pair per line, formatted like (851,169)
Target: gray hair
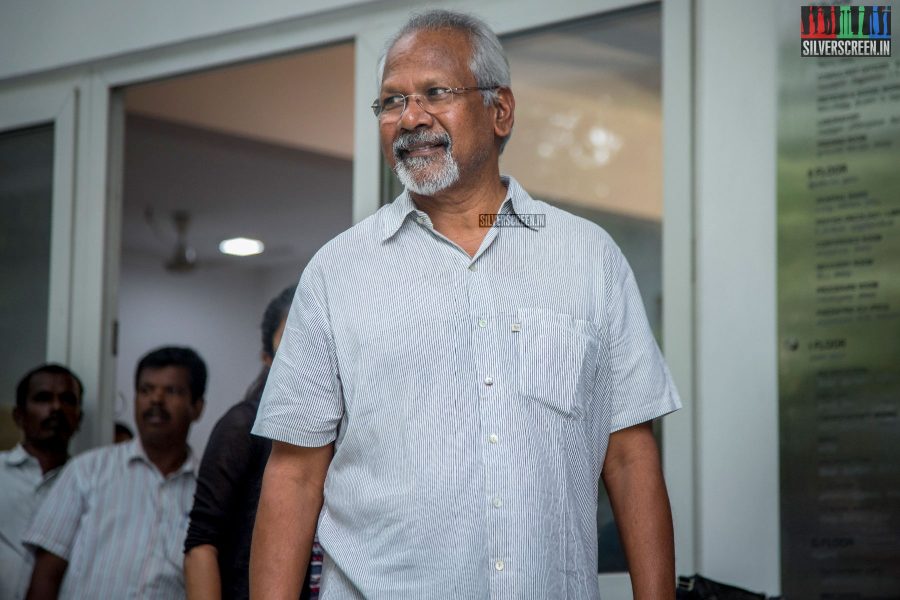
(488,62)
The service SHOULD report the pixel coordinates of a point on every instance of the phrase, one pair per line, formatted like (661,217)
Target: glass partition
(588,139)
(26,196)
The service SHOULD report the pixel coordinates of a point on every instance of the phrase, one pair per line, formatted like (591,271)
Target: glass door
(588,139)
(26,197)
(37,138)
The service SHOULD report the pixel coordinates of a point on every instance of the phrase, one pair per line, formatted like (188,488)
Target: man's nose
(414,115)
(56,403)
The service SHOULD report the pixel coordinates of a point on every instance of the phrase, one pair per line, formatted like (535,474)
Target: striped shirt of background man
(119,523)
(23,487)
(473,396)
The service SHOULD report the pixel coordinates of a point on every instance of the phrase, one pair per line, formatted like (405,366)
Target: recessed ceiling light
(241,246)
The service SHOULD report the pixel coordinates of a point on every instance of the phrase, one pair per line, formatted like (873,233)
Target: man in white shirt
(460,369)
(48,412)
(114,524)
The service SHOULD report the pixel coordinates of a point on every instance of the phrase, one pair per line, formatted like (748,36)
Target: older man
(461,386)
(48,412)
(114,525)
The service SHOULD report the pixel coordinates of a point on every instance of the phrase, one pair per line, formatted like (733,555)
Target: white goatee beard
(414,173)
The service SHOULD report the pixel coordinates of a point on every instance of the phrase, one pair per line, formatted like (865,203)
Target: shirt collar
(520,204)
(134,451)
(395,215)
(518,200)
(18,456)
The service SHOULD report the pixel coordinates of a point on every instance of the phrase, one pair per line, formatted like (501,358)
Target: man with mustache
(48,412)
(459,370)
(114,525)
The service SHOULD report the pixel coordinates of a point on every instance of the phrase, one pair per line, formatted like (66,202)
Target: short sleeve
(642,387)
(56,522)
(302,403)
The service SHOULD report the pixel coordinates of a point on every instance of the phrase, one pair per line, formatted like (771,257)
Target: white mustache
(407,141)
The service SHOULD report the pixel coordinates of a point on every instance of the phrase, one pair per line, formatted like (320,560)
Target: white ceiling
(303,100)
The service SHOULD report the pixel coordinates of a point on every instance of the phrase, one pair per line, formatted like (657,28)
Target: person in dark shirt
(217,547)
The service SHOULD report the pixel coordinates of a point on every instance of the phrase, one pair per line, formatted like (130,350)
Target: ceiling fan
(184,257)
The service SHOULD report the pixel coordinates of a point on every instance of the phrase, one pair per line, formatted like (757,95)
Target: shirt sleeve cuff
(647,413)
(39,542)
(294,435)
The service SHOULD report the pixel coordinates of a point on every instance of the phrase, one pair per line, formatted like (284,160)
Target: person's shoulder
(346,255)
(560,220)
(95,458)
(7,462)
(584,238)
(94,467)
(238,418)
(361,238)
(556,220)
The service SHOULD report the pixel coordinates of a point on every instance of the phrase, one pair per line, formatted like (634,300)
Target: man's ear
(504,117)
(17,416)
(197,407)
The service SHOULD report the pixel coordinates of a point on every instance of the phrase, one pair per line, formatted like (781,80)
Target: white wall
(215,312)
(736,379)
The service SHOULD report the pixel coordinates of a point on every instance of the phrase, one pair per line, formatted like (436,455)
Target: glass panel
(243,150)
(588,138)
(26,196)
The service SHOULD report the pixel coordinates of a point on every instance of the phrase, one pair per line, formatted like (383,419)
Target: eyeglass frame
(378,108)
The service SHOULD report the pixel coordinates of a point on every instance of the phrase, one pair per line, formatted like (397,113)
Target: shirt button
(499,565)
(493,438)
(482,322)
(488,381)
(497,503)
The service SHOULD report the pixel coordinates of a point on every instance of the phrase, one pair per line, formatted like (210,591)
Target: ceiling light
(241,246)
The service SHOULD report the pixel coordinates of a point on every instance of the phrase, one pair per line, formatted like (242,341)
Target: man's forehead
(44,381)
(166,373)
(440,48)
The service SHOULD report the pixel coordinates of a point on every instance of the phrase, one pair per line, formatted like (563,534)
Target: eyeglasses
(434,101)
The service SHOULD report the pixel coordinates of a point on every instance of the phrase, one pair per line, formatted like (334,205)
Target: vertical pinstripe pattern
(23,486)
(119,523)
(472,401)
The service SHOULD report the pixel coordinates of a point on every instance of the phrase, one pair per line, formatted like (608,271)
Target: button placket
(486,347)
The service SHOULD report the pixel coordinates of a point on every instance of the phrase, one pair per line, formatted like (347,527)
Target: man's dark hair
(53,369)
(174,356)
(276,311)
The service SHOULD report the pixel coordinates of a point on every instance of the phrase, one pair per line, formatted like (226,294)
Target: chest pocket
(557,360)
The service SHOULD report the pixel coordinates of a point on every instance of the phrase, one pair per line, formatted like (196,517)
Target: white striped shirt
(119,523)
(23,487)
(472,400)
